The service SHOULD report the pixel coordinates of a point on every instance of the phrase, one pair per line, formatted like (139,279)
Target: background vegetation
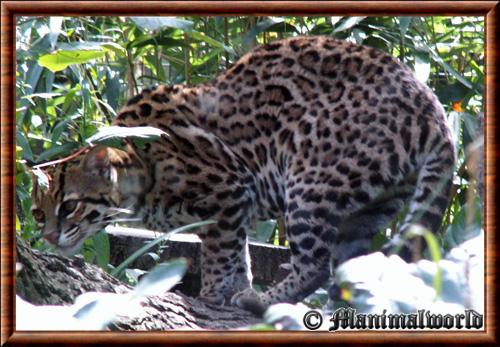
(73,73)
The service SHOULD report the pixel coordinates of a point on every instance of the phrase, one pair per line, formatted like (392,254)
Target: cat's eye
(67,207)
(38,215)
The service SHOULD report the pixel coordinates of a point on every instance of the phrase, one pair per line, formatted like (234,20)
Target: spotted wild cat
(333,136)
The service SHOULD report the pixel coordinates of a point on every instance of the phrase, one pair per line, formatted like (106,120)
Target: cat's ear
(96,161)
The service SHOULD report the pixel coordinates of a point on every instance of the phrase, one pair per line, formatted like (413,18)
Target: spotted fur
(333,136)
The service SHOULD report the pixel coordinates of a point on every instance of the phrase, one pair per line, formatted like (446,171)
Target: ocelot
(333,136)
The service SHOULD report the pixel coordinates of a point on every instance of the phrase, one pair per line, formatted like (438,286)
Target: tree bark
(50,279)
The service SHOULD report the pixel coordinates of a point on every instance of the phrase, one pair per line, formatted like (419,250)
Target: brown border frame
(10,9)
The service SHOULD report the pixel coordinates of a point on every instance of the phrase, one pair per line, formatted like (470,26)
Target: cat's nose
(52,237)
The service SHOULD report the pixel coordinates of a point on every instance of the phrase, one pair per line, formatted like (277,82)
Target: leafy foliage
(73,73)
(400,287)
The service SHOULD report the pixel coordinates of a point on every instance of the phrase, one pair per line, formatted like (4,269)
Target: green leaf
(378,241)
(55,24)
(56,150)
(112,89)
(22,142)
(158,40)
(87,46)
(434,251)
(33,77)
(282,27)
(348,23)
(265,230)
(101,248)
(95,310)
(112,136)
(469,127)
(48,96)
(322,29)
(162,278)
(211,41)
(68,100)
(77,53)
(268,25)
(448,68)
(478,69)
(49,79)
(459,230)
(58,130)
(99,309)
(449,93)
(262,327)
(404,23)
(60,60)
(18,224)
(154,23)
(377,42)
(114,47)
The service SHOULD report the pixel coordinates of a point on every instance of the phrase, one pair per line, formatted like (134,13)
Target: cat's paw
(250,300)
(247,294)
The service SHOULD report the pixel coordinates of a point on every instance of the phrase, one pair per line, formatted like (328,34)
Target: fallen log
(50,279)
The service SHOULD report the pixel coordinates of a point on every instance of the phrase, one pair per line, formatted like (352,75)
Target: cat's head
(74,199)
